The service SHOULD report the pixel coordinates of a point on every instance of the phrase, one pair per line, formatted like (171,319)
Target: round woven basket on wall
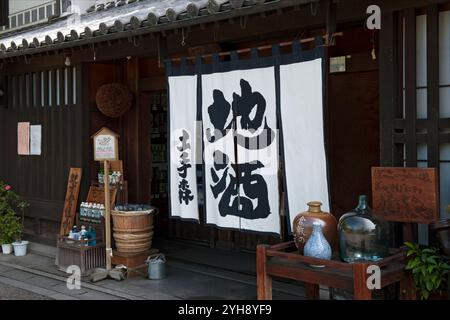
(114,99)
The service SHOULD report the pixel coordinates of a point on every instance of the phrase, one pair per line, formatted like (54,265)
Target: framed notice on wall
(23,138)
(35,140)
(106,146)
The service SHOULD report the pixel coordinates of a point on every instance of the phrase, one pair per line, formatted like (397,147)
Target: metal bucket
(156,266)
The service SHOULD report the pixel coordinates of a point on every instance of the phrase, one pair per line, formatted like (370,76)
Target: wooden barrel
(134,247)
(132,230)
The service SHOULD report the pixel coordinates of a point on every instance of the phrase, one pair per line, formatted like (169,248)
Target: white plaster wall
(20,5)
(83,5)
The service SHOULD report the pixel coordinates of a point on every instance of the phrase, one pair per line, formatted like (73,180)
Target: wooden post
(407,291)
(312,291)
(264,281)
(106,148)
(107,217)
(360,289)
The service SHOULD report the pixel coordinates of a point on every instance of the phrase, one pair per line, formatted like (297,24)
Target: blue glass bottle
(92,235)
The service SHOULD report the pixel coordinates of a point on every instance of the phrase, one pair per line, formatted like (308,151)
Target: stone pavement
(39,277)
(12,293)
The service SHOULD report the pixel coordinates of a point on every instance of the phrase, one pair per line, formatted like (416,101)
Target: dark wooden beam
(70,95)
(331,19)
(410,87)
(38,86)
(387,87)
(433,85)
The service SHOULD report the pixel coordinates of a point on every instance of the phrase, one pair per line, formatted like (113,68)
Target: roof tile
(119,16)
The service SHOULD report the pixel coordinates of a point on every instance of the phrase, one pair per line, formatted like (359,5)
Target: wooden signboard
(106,145)
(106,149)
(407,195)
(97,195)
(70,204)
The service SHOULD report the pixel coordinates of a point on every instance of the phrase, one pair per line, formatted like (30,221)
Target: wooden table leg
(360,289)
(407,291)
(264,281)
(312,291)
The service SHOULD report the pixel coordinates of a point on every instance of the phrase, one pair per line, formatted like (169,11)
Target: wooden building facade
(390,107)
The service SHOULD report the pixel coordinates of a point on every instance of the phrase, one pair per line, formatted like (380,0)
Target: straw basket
(132,230)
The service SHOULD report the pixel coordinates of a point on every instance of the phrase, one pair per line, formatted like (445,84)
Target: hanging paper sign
(305,165)
(35,140)
(241,151)
(23,138)
(106,145)
(183,147)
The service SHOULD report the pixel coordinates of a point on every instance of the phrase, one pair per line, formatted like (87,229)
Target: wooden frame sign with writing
(97,195)
(106,145)
(407,195)
(71,201)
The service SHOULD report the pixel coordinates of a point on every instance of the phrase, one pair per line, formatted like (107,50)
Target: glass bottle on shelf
(102,211)
(362,237)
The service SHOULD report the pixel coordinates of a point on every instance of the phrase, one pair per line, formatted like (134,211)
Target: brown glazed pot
(303,226)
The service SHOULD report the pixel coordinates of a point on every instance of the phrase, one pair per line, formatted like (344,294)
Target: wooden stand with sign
(70,203)
(106,149)
(73,252)
(406,195)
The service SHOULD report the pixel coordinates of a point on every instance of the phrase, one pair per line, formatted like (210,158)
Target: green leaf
(438,283)
(410,253)
(413,263)
(412,246)
(429,286)
(423,269)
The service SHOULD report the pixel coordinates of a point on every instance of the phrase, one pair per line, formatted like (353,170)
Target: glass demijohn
(362,237)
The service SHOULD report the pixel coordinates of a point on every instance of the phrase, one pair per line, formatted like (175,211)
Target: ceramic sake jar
(303,226)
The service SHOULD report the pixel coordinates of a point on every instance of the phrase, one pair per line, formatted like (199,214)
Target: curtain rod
(265,47)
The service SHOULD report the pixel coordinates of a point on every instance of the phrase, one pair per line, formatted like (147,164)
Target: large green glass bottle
(362,237)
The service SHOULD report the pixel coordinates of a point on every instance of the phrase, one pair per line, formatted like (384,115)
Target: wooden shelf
(284,261)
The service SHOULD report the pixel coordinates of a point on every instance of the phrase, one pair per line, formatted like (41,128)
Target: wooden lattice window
(47,88)
(415,92)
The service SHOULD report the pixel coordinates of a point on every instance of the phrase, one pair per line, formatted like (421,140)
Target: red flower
(7,188)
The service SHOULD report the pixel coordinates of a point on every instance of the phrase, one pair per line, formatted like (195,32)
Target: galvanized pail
(156,266)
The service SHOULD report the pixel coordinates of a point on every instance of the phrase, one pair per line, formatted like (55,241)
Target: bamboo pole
(107,217)
(261,48)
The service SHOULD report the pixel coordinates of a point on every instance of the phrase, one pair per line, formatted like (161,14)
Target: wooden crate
(97,195)
(121,196)
(98,225)
(77,253)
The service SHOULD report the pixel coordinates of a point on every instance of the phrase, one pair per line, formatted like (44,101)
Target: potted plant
(10,231)
(430,270)
(6,236)
(11,225)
